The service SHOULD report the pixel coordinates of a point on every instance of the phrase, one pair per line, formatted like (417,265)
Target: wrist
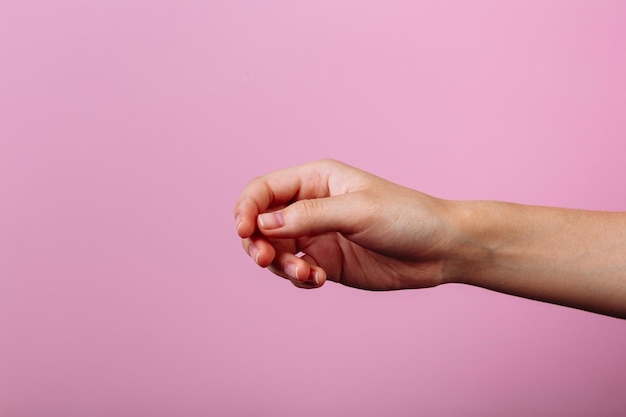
(475,242)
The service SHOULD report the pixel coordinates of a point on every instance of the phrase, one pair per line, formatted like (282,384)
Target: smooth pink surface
(128,129)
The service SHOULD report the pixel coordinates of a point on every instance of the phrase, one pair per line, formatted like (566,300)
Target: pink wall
(128,128)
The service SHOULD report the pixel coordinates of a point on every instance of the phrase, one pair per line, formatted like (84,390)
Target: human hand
(352,227)
(329,221)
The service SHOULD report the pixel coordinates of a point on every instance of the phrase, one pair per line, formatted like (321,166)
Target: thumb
(312,217)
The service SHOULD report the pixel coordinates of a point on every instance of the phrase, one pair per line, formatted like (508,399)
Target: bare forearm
(360,230)
(569,257)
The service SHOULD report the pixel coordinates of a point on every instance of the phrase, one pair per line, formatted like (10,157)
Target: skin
(326,220)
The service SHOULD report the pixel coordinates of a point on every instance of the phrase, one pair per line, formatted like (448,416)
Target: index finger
(279,188)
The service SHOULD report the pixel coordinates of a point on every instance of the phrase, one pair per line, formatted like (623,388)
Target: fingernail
(272,220)
(254,253)
(292,271)
(316,278)
(238,223)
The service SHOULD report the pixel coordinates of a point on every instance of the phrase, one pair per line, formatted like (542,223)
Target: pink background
(128,129)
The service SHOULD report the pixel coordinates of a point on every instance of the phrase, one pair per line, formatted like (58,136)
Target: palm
(353,265)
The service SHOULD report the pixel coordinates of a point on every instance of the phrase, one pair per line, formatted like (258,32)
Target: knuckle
(307,212)
(329,163)
(306,209)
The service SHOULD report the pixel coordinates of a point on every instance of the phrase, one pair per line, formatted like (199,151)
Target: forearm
(569,257)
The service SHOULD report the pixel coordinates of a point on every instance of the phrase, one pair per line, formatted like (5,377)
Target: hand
(327,220)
